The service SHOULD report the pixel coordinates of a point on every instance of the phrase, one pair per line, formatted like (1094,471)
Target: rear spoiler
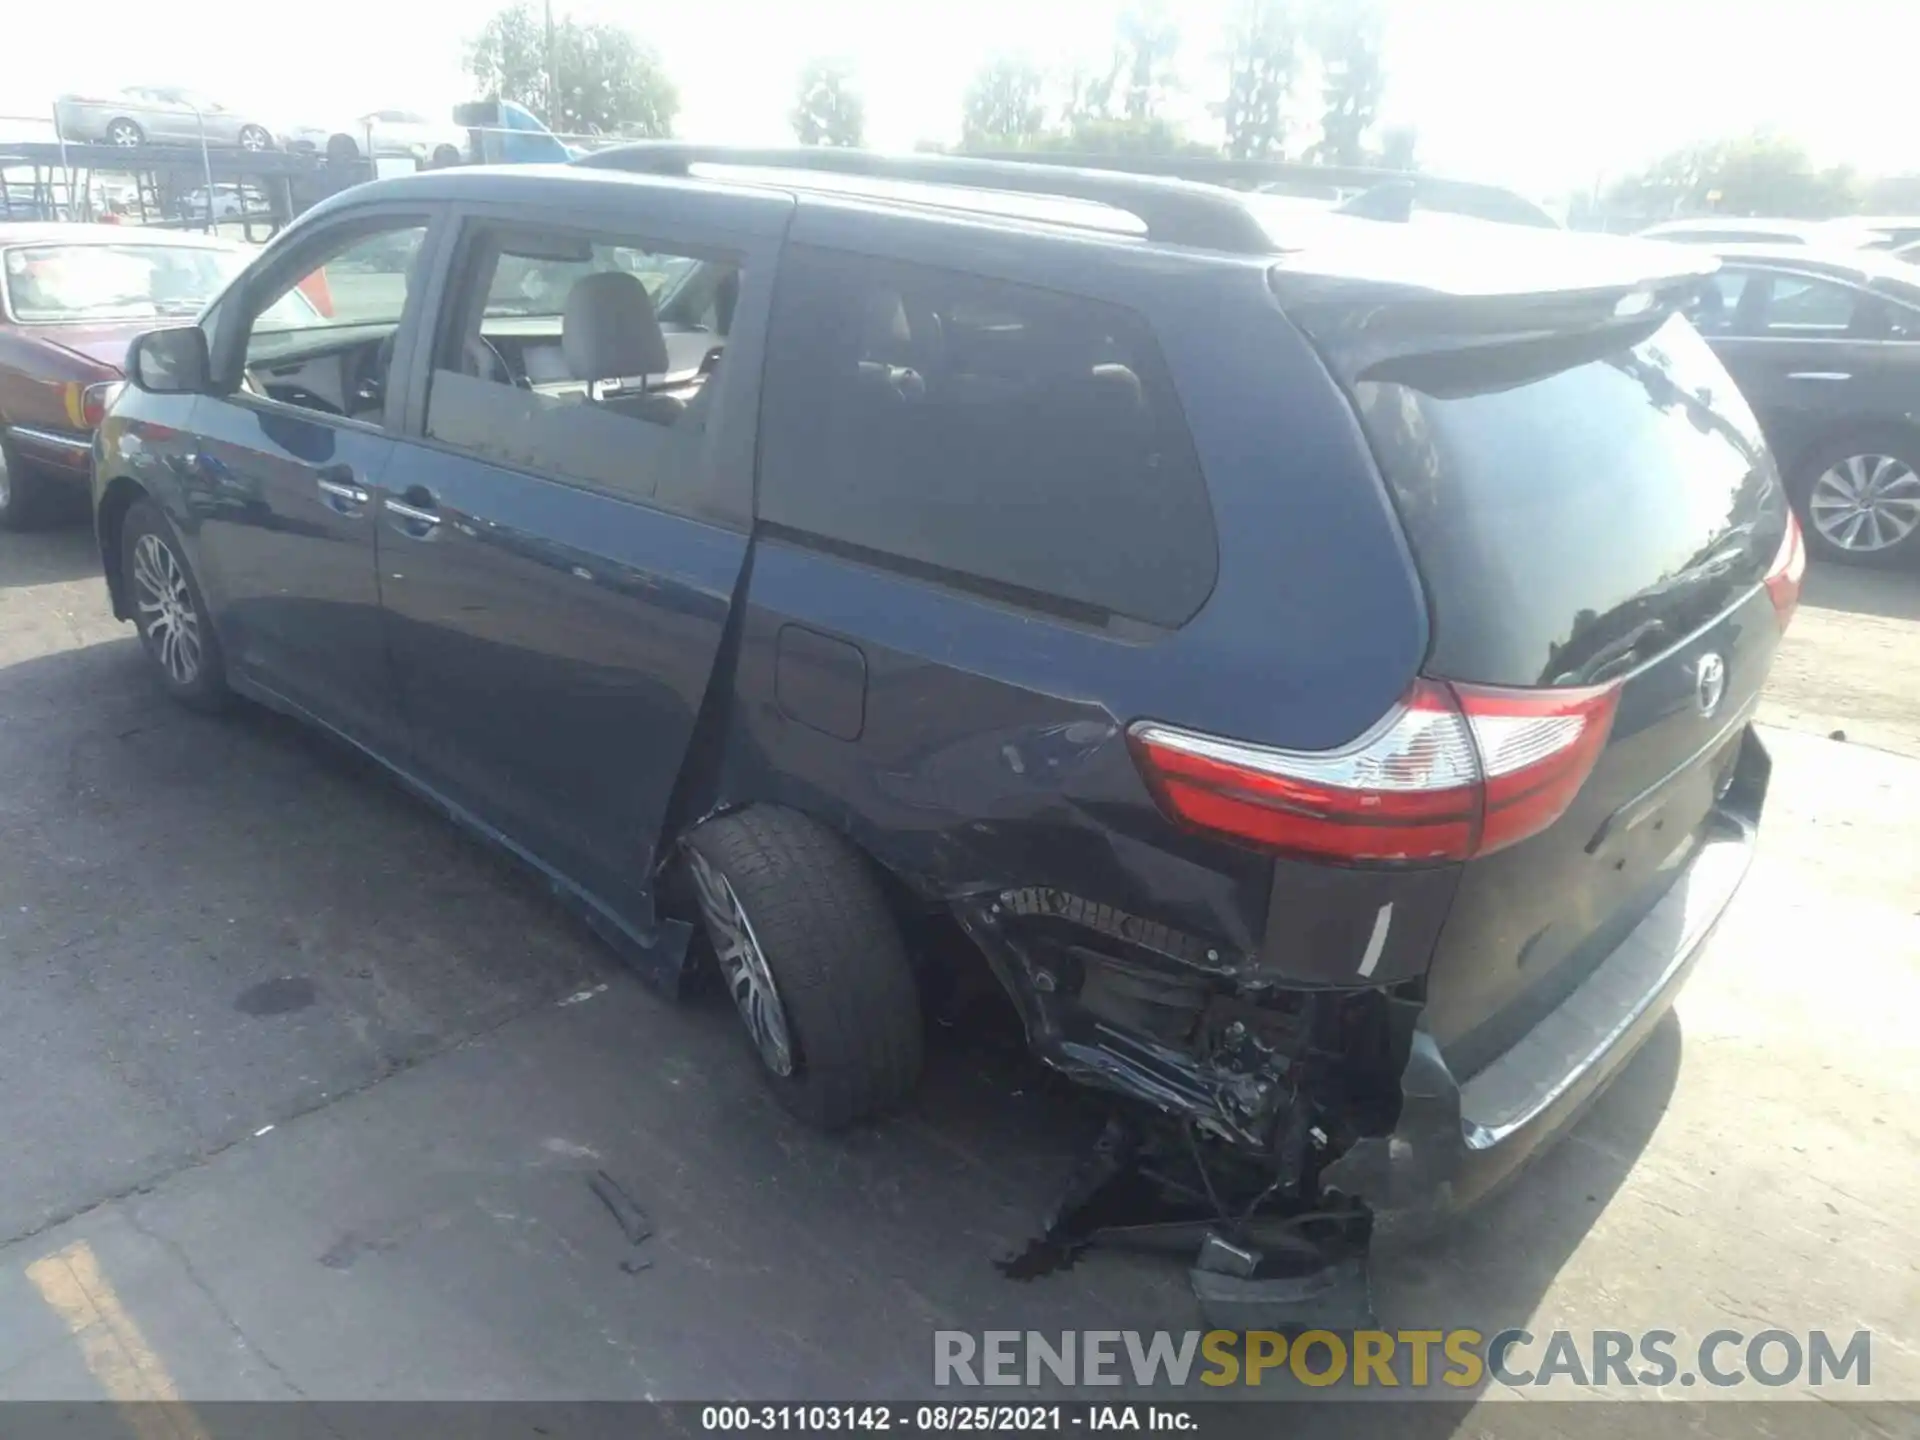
(1369,321)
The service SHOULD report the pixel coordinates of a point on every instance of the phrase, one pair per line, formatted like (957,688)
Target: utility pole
(553,77)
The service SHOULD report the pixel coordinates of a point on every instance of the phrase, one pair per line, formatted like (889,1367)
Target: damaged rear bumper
(1457,1142)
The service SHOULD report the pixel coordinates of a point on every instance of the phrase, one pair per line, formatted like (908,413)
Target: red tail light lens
(1453,771)
(95,401)
(1789,568)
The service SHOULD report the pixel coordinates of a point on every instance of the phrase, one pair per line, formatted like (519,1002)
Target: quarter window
(1801,305)
(996,436)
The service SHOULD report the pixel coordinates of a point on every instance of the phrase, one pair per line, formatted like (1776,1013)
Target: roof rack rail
(1175,210)
(1433,192)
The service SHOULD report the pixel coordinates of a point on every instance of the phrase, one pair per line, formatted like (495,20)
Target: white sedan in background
(380,134)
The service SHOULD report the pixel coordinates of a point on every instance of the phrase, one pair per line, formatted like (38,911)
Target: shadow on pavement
(47,556)
(182,863)
(1892,594)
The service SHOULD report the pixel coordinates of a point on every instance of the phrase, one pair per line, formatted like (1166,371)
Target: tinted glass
(614,393)
(1573,520)
(996,435)
(1799,304)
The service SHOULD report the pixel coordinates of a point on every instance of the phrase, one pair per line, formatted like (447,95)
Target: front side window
(58,284)
(1003,438)
(586,357)
(324,340)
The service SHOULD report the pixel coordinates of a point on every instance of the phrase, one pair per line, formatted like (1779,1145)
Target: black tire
(341,150)
(125,132)
(205,687)
(23,494)
(1901,447)
(444,156)
(845,987)
(255,137)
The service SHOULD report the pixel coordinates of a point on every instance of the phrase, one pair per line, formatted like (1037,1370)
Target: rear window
(1573,521)
(994,436)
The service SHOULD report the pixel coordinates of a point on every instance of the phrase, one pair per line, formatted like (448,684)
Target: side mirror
(170,362)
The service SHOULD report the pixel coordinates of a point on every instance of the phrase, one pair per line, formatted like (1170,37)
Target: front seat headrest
(609,331)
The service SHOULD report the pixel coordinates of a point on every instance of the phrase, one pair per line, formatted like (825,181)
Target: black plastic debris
(626,1211)
(1258,1259)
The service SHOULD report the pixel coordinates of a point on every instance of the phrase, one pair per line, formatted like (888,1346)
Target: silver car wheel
(1866,503)
(253,138)
(123,133)
(165,608)
(744,965)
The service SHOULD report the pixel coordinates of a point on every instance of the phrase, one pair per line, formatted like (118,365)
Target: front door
(562,541)
(286,475)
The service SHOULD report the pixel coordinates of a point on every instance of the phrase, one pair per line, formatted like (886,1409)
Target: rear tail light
(1788,569)
(1452,772)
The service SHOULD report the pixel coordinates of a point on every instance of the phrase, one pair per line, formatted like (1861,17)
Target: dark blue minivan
(1310,656)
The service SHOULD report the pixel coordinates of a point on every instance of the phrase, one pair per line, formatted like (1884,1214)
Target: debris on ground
(626,1212)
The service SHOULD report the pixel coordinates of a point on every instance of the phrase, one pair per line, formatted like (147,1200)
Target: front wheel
(341,150)
(813,960)
(126,133)
(169,610)
(252,137)
(1860,498)
(444,156)
(22,493)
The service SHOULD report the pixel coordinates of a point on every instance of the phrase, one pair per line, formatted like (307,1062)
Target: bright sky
(1543,95)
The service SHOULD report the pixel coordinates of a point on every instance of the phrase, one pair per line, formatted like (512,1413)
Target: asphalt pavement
(306,1093)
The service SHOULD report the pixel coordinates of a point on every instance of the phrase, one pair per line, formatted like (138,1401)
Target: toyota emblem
(1710,682)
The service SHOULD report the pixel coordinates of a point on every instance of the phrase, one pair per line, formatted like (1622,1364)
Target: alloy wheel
(124,134)
(743,964)
(1866,503)
(252,139)
(166,610)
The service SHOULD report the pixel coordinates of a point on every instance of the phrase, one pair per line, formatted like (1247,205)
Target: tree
(828,111)
(604,78)
(1400,148)
(1002,105)
(1262,54)
(1349,37)
(1143,59)
(1758,174)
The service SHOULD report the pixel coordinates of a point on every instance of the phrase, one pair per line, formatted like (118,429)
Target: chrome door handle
(339,491)
(409,512)
(1819,375)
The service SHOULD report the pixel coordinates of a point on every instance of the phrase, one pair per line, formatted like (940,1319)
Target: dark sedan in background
(1825,344)
(71,297)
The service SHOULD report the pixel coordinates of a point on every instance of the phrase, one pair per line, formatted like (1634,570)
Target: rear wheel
(169,610)
(1860,498)
(445,155)
(813,960)
(341,150)
(22,493)
(125,133)
(253,137)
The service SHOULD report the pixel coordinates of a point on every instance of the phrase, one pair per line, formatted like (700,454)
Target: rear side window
(995,436)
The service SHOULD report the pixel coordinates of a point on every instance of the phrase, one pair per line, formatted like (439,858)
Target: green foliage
(1758,174)
(1349,36)
(1262,56)
(1002,107)
(605,78)
(828,110)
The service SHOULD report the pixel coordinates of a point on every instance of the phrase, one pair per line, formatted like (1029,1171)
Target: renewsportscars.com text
(1411,1359)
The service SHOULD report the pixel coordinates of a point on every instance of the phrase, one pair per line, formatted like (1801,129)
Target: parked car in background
(157,115)
(381,134)
(1886,232)
(1825,344)
(71,297)
(1739,230)
(230,202)
(1314,670)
